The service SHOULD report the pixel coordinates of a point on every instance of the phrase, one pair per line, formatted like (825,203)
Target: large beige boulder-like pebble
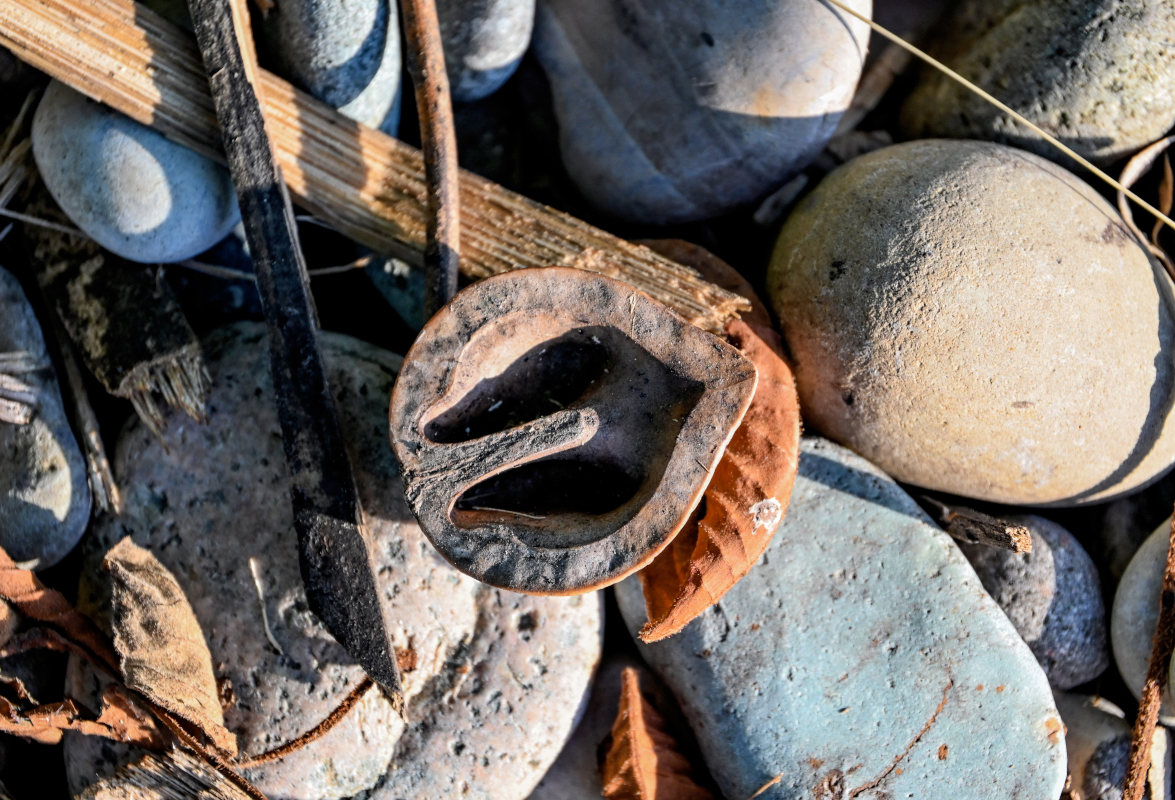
(677,111)
(498,678)
(1098,74)
(977,320)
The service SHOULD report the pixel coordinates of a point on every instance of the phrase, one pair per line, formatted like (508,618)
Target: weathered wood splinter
(336,563)
(556,427)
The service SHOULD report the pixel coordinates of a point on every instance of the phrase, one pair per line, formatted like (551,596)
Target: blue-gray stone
(127,187)
(673,112)
(1135,612)
(44,494)
(1053,596)
(484,42)
(347,54)
(861,658)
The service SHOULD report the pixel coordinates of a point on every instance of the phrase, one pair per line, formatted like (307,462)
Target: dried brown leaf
(643,762)
(748,495)
(176,775)
(162,651)
(33,599)
(1166,197)
(1135,168)
(119,720)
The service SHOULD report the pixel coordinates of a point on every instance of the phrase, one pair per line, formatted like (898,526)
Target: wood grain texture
(367,184)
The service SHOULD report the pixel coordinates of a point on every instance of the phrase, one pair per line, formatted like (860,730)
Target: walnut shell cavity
(556,428)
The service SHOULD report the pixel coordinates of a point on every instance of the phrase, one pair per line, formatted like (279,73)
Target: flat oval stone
(347,54)
(484,42)
(968,316)
(44,491)
(127,187)
(1134,614)
(677,112)
(861,653)
(212,503)
(1053,597)
(1097,74)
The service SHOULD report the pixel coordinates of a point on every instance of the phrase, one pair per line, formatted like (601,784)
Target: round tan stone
(977,320)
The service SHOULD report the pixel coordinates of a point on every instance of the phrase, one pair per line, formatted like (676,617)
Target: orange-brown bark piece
(749,493)
(643,762)
(161,648)
(119,720)
(33,599)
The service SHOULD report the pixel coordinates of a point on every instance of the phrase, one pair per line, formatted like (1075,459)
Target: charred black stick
(332,542)
(426,65)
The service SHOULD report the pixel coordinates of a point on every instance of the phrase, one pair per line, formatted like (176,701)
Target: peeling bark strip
(336,564)
(166,776)
(975,527)
(127,326)
(367,185)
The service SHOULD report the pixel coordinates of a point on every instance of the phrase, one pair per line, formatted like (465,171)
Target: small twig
(1004,107)
(975,527)
(766,786)
(873,784)
(255,571)
(40,223)
(197,747)
(1162,645)
(317,732)
(426,64)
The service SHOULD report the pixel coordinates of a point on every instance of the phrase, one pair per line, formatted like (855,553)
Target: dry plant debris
(175,775)
(748,495)
(642,759)
(162,652)
(556,427)
(1135,168)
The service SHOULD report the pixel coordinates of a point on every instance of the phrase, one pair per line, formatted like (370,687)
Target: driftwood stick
(975,527)
(364,183)
(426,64)
(336,565)
(1157,673)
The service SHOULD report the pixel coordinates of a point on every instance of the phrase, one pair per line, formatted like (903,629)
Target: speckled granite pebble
(969,316)
(130,189)
(44,494)
(861,653)
(1097,74)
(1053,597)
(672,112)
(1134,614)
(347,54)
(484,41)
(1097,740)
(219,497)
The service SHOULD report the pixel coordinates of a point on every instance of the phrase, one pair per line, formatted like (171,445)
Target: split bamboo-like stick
(366,184)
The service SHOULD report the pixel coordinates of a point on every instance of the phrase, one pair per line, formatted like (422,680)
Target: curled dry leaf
(162,651)
(1135,168)
(642,761)
(33,599)
(748,495)
(119,720)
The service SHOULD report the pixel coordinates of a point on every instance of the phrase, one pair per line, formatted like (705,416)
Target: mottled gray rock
(44,494)
(671,112)
(1097,74)
(1134,614)
(210,498)
(1053,597)
(347,54)
(861,651)
(1097,741)
(968,316)
(126,186)
(484,41)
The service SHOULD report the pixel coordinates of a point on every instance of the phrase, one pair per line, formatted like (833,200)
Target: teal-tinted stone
(861,658)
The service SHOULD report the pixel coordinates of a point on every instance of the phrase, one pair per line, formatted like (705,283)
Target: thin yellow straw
(1048,137)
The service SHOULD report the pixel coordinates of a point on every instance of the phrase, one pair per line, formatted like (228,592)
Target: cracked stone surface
(218,496)
(860,658)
